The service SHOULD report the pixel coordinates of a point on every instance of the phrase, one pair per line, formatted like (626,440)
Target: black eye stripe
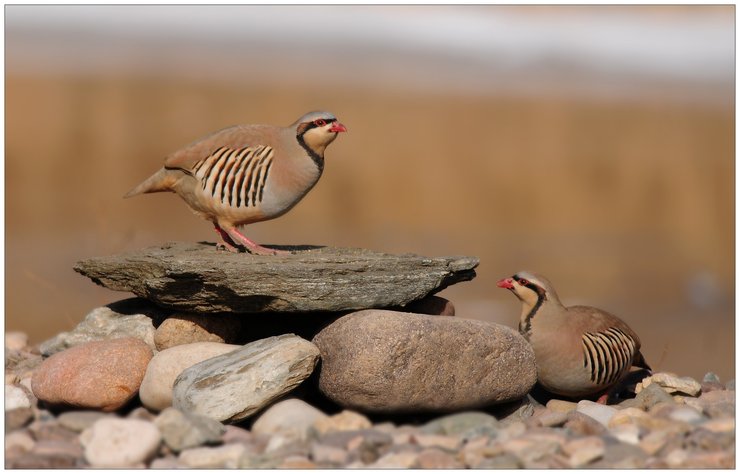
(326,122)
(532,286)
(309,125)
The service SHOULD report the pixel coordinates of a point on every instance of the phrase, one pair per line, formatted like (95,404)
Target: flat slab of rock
(196,277)
(386,361)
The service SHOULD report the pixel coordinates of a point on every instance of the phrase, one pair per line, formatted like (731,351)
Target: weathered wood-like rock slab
(235,385)
(198,278)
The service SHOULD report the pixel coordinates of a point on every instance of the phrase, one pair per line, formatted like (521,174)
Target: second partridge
(579,350)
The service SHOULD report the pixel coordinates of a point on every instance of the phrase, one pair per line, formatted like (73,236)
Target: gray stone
(79,420)
(466,423)
(21,363)
(115,442)
(686,414)
(133,317)
(34,461)
(50,430)
(58,448)
(233,386)
(620,455)
(711,377)
(331,455)
(156,388)
(187,430)
(197,278)
(227,456)
(648,397)
(502,461)
(17,418)
(393,362)
(718,404)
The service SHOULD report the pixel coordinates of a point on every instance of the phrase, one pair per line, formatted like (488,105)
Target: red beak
(507,283)
(337,127)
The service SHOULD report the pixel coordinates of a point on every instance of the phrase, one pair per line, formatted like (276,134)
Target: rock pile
(237,364)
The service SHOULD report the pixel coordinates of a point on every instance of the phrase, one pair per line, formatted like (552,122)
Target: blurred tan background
(594,145)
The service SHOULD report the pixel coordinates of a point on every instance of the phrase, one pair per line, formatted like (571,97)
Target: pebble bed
(662,427)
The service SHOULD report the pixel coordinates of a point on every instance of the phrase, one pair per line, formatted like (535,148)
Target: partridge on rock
(247,173)
(579,350)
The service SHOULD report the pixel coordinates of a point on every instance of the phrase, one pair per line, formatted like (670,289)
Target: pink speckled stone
(101,375)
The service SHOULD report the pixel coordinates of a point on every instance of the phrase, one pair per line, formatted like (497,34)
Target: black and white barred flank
(235,177)
(607,354)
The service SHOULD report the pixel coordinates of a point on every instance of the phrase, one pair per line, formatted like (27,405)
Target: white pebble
(15,397)
(601,413)
(116,442)
(685,414)
(629,434)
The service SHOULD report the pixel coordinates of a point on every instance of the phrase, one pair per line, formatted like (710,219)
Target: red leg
(226,242)
(252,247)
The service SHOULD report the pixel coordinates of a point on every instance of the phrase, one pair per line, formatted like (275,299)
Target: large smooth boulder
(387,361)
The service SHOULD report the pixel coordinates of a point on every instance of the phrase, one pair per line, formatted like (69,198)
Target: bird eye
(523,282)
(319,122)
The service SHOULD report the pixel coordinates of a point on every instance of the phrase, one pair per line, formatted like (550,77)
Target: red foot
(233,235)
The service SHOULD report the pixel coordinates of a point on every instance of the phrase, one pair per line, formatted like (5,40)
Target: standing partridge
(579,350)
(247,173)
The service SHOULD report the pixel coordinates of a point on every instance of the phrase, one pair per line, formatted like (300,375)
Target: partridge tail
(160,181)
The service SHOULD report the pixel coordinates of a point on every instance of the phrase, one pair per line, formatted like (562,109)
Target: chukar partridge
(579,350)
(247,173)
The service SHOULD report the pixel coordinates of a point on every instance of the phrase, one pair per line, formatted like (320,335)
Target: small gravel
(670,424)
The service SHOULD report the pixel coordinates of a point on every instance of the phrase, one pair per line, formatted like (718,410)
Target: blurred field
(624,204)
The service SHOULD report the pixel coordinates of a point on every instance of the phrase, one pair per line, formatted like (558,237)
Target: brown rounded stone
(102,375)
(186,328)
(387,361)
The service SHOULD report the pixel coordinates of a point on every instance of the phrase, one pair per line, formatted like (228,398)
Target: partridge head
(247,173)
(579,350)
